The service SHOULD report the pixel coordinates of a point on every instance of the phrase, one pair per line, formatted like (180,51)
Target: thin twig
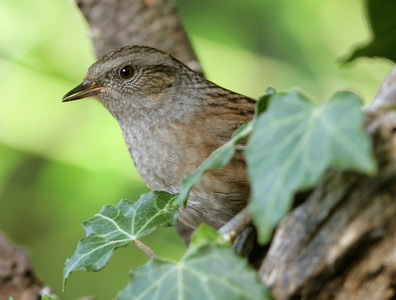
(236,225)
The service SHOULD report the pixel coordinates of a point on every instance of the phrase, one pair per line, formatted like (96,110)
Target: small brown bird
(172,119)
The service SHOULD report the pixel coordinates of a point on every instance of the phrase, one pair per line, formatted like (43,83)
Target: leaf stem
(236,225)
(145,249)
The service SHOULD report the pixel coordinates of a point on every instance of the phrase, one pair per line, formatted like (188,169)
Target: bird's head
(132,77)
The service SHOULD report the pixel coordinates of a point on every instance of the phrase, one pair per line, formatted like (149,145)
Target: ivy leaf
(293,143)
(209,270)
(381,18)
(263,102)
(46,297)
(118,225)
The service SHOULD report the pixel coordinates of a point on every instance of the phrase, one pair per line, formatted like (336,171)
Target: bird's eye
(126,72)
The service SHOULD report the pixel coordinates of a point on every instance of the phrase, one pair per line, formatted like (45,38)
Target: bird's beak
(84,90)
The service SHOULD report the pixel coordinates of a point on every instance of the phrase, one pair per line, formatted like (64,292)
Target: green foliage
(210,270)
(46,297)
(293,143)
(263,102)
(118,225)
(381,17)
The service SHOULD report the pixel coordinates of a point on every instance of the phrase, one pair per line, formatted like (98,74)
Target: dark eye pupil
(126,72)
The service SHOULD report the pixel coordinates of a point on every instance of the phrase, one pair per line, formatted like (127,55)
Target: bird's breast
(162,153)
(165,153)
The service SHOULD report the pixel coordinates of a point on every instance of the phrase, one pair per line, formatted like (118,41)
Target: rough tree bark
(17,278)
(154,23)
(338,244)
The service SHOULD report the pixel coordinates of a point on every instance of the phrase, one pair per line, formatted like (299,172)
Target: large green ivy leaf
(210,270)
(293,143)
(117,225)
(381,17)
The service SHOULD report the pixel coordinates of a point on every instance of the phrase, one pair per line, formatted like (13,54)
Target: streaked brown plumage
(172,119)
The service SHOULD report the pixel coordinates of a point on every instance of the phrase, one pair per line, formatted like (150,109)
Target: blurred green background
(60,163)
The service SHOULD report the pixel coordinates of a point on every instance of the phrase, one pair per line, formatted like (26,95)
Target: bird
(172,119)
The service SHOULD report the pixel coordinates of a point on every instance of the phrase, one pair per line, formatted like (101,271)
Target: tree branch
(154,23)
(17,278)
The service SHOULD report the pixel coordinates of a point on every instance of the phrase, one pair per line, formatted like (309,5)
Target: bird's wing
(235,110)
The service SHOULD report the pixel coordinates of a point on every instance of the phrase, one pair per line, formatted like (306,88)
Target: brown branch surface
(17,278)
